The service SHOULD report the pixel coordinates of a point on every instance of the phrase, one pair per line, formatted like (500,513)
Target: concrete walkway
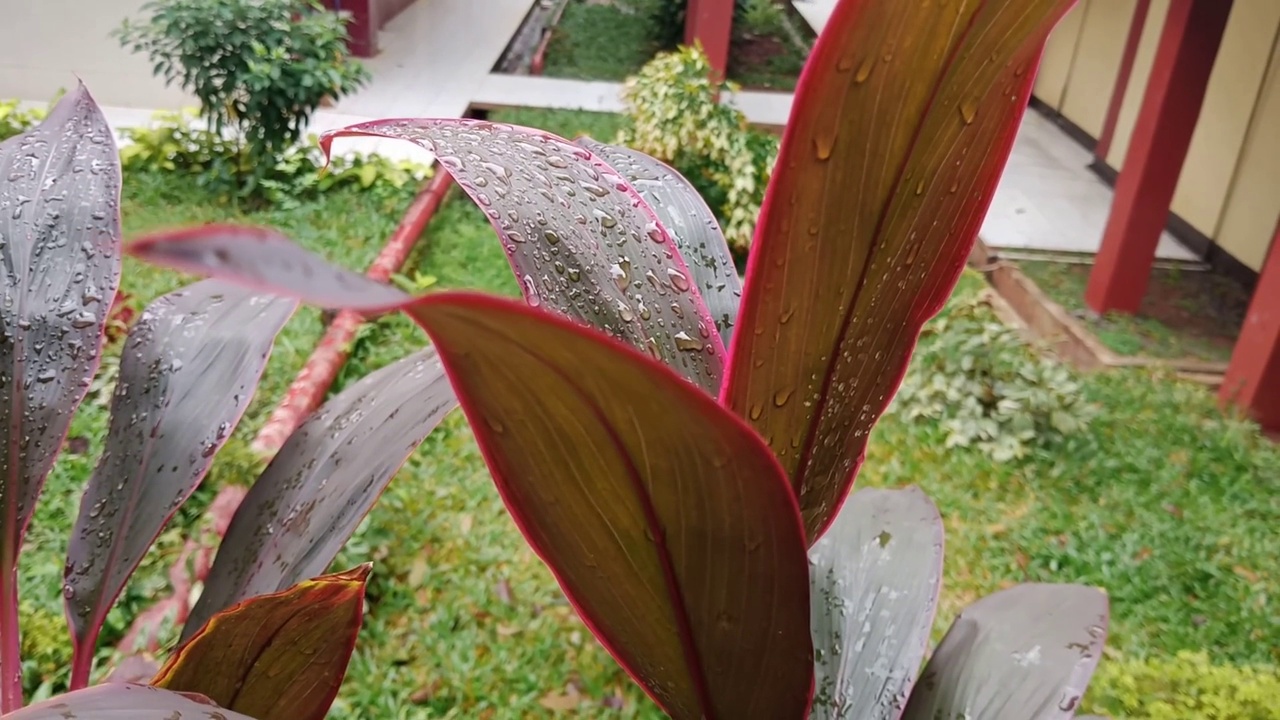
(763,108)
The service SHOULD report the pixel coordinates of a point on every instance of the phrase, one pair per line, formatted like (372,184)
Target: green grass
(570,124)
(602,41)
(1161,500)
(599,42)
(1142,334)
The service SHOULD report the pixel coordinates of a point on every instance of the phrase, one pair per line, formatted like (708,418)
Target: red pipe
(540,55)
(317,376)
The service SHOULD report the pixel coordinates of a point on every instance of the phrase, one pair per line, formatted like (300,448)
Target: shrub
(676,117)
(1187,687)
(174,143)
(260,68)
(14,120)
(976,376)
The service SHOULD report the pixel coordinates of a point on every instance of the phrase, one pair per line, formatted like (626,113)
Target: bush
(15,121)
(1187,687)
(260,68)
(988,389)
(175,143)
(675,116)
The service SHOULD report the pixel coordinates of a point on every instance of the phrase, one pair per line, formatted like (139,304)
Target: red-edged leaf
(691,223)
(901,126)
(119,701)
(59,246)
(1025,652)
(581,240)
(876,577)
(664,518)
(263,259)
(275,657)
(323,481)
(59,269)
(187,371)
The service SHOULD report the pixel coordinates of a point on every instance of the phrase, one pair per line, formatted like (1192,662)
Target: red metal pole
(317,376)
(710,22)
(1144,191)
(1252,381)
(1122,79)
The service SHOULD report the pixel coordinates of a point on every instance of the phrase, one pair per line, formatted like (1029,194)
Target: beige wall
(1138,77)
(1103,32)
(1252,207)
(1229,188)
(1059,51)
(46,44)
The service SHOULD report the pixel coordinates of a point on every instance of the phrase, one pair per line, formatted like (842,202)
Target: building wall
(1229,189)
(46,44)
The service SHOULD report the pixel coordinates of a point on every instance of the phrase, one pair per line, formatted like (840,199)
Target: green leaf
(664,518)
(900,129)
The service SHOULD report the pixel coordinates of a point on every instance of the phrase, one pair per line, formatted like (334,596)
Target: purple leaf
(59,245)
(187,372)
(118,701)
(265,260)
(323,481)
(580,239)
(59,251)
(683,212)
(875,579)
(1025,652)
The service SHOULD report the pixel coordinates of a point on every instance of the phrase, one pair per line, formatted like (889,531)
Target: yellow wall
(1228,106)
(1229,188)
(1138,77)
(1059,52)
(1103,32)
(1253,205)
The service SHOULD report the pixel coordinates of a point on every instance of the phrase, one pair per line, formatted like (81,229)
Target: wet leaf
(580,239)
(323,481)
(693,572)
(118,701)
(693,226)
(263,259)
(901,126)
(1025,652)
(876,576)
(187,372)
(275,657)
(59,267)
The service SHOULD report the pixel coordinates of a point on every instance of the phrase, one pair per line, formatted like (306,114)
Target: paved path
(762,108)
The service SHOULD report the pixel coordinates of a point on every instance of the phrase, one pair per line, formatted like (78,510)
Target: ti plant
(694,502)
(271,635)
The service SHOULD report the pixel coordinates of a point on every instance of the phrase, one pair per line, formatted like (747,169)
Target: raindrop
(678,279)
(684,342)
(968,111)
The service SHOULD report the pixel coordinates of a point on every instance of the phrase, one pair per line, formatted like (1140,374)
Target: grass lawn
(1185,314)
(607,41)
(1161,500)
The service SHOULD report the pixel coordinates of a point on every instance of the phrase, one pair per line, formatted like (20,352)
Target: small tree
(260,68)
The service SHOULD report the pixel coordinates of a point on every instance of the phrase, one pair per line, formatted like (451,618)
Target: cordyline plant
(270,636)
(691,501)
